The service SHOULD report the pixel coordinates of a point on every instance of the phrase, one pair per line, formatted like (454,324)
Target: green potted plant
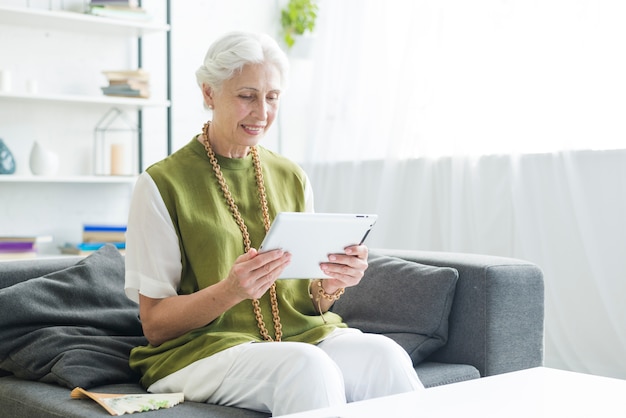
(296,18)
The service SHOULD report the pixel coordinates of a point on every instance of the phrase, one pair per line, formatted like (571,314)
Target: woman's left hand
(345,270)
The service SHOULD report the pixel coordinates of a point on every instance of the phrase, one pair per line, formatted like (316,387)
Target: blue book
(93,246)
(85,248)
(104,228)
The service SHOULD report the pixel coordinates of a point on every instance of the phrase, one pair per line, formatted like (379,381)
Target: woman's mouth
(253,129)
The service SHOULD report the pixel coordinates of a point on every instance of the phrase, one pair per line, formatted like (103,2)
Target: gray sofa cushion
(73,327)
(433,374)
(413,310)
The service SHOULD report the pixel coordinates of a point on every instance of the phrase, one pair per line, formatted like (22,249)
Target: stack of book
(15,247)
(118,9)
(95,237)
(127,83)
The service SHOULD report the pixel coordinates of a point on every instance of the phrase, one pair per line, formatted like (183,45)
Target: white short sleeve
(153,259)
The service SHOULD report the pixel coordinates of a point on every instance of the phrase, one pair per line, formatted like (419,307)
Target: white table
(537,392)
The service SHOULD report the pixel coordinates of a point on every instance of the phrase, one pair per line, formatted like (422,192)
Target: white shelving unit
(80,23)
(59,204)
(77,22)
(70,179)
(127,102)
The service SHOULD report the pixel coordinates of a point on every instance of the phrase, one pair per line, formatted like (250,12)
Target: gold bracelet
(328,296)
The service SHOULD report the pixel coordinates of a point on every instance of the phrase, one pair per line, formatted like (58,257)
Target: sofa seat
(434,374)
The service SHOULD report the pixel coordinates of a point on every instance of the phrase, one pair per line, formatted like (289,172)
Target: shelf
(68,179)
(96,100)
(77,22)
(41,256)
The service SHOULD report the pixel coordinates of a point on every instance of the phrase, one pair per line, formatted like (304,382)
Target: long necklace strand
(244,229)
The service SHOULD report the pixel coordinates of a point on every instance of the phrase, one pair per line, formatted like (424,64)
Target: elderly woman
(221,328)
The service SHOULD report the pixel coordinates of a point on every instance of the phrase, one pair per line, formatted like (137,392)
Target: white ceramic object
(42,161)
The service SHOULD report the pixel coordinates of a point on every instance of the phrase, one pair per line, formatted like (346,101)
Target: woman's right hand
(249,278)
(253,273)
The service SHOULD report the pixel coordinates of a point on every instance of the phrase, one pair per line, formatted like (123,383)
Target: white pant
(288,377)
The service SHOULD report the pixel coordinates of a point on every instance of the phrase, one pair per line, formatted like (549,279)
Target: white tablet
(311,237)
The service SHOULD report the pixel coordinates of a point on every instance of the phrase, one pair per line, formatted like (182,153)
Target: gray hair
(228,54)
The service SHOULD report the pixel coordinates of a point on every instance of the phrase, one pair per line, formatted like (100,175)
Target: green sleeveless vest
(210,241)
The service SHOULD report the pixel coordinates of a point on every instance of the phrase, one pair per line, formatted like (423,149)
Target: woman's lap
(288,377)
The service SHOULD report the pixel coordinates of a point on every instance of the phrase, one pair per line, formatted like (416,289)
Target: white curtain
(492,127)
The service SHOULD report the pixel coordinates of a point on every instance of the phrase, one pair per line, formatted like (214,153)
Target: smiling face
(243,109)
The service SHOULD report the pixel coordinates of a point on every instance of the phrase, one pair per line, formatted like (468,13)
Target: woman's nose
(260,110)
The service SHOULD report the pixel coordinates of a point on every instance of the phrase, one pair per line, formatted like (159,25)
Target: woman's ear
(207,94)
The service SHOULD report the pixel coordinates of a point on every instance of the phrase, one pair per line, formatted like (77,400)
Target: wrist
(332,293)
(319,294)
(324,285)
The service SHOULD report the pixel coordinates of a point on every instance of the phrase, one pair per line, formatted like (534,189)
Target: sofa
(66,322)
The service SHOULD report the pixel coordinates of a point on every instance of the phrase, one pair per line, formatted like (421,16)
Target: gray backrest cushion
(17,271)
(73,327)
(406,301)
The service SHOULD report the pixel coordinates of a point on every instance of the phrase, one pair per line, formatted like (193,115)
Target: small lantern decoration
(115,145)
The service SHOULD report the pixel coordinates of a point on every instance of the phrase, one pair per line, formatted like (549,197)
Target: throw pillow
(406,301)
(73,327)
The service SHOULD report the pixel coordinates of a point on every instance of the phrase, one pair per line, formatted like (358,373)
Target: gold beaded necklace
(244,230)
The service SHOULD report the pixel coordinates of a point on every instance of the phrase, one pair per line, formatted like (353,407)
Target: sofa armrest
(497,317)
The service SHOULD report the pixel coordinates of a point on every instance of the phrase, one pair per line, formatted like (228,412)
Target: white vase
(42,161)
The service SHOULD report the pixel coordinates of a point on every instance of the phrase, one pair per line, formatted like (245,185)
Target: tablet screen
(311,237)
